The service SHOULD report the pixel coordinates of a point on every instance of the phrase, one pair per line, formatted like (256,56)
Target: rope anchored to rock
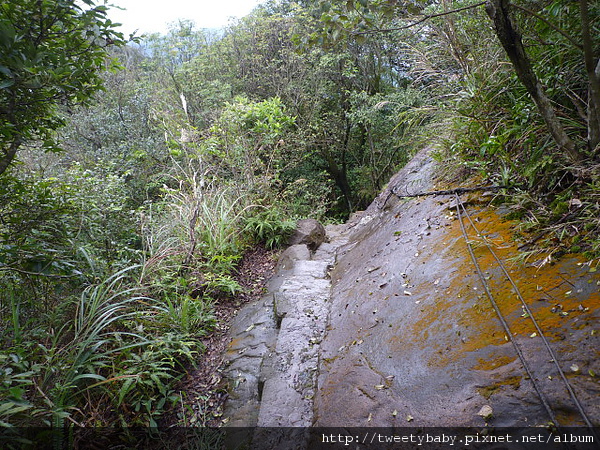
(462,211)
(455,191)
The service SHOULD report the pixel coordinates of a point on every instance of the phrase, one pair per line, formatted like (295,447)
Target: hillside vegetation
(135,174)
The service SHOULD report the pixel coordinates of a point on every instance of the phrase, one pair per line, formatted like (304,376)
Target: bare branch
(550,24)
(423,19)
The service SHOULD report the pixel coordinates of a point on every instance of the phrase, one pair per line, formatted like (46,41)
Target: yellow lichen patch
(549,291)
(490,364)
(568,417)
(488,391)
(235,344)
(457,307)
(556,293)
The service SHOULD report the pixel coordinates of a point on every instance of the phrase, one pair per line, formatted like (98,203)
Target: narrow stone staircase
(273,359)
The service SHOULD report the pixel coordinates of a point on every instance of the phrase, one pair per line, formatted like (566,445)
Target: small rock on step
(309,232)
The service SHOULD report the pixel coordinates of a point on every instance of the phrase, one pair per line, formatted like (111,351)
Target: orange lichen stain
(498,361)
(570,417)
(458,315)
(488,391)
(235,343)
(552,292)
(549,292)
(234,347)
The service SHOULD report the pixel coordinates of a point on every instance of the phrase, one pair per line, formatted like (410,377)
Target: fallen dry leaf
(486,412)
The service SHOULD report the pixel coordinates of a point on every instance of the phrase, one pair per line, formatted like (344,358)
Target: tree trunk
(596,114)
(593,79)
(9,154)
(509,37)
(340,178)
(593,119)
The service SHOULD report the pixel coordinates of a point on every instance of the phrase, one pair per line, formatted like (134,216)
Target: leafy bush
(115,346)
(270,228)
(79,224)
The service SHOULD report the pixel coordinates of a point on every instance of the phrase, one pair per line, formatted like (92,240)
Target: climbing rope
(543,399)
(531,316)
(460,190)
(505,325)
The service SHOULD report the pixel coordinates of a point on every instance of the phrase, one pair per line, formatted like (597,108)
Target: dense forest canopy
(133,176)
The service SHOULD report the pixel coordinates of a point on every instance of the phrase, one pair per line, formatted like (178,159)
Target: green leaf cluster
(51,54)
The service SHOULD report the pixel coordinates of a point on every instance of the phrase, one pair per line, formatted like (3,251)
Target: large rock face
(388,325)
(413,340)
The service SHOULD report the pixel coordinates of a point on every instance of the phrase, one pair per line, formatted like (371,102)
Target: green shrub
(270,228)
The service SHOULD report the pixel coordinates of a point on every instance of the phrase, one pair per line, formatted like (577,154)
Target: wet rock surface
(388,324)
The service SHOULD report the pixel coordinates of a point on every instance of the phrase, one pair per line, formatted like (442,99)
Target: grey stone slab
(275,343)
(291,255)
(313,269)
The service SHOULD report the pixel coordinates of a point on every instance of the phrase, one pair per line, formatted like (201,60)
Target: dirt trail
(402,333)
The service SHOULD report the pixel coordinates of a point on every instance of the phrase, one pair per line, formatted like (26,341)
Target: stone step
(273,358)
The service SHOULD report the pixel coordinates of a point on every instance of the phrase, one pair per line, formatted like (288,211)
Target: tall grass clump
(194,237)
(111,342)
